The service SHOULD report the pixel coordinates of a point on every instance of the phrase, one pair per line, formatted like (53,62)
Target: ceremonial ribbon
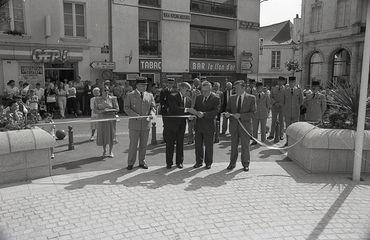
(272,147)
(174,116)
(107,119)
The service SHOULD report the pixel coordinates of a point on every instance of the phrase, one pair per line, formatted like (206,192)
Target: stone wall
(325,150)
(25,155)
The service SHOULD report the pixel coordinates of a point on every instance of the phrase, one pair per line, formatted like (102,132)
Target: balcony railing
(152,3)
(150,47)
(213,8)
(211,51)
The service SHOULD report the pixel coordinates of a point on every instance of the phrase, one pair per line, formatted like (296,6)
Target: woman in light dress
(106,107)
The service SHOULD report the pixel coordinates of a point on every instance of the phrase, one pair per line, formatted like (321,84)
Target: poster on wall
(32,73)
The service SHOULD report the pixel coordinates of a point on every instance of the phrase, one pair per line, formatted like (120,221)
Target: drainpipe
(110,30)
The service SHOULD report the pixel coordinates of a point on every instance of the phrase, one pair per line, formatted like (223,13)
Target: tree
(293,66)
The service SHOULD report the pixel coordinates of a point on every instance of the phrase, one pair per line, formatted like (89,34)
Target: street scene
(184,119)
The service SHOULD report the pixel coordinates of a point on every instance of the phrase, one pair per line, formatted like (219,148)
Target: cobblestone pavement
(275,200)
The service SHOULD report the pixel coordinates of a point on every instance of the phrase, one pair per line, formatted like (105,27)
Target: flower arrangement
(293,66)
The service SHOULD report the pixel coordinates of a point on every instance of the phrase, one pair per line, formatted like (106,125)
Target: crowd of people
(241,108)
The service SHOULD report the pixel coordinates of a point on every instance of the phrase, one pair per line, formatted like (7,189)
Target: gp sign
(150,65)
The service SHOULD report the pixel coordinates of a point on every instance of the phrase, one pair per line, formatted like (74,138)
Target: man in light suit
(139,103)
(293,99)
(315,104)
(242,106)
(277,99)
(178,104)
(206,109)
(263,109)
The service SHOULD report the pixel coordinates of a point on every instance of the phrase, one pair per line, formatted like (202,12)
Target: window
(12,16)
(148,30)
(316,17)
(148,38)
(152,3)
(341,66)
(208,36)
(74,19)
(275,59)
(316,62)
(343,13)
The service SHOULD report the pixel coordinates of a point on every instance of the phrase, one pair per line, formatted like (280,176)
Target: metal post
(359,144)
(70,139)
(154,133)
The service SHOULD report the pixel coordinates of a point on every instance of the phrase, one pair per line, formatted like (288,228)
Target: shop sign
(249,25)
(32,70)
(246,66)
(172,16)
(103,65)
(150,65)
(49,55)
(212,66)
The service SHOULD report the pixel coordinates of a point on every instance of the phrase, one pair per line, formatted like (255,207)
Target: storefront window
(74,19)
(12,16)
(316,62)
(208,36)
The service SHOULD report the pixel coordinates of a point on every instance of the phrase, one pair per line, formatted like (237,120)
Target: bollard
(70,139)
(277,132)
(154,133)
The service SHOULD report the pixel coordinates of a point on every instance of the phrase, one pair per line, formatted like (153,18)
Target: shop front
(34,66)
(213,70)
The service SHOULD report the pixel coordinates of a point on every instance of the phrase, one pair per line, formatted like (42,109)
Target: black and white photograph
(184,119)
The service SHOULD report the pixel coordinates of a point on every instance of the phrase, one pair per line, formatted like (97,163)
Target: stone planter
(325,150)
(25,155)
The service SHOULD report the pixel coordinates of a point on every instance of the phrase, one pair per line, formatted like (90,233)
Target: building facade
(56,39)
(216,40)
(279,43)
(332,41)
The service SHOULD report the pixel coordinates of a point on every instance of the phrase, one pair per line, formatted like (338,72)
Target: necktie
(291,91)
(259,95)
(142,95)
(239,104)
(205,99)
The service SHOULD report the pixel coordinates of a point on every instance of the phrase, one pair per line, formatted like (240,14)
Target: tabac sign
(49,55)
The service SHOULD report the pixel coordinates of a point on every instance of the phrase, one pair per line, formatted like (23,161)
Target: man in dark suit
(206,109)
(242,107)
(178,103)
(163,103)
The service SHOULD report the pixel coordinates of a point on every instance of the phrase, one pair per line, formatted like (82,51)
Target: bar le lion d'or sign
(212,66)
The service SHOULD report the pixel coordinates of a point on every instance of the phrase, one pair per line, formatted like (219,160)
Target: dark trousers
(165,127)
(72,105)
(120,104)
(175,135)
(204,146)
(80,102)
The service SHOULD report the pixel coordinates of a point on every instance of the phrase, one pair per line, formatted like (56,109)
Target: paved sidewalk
(275,200)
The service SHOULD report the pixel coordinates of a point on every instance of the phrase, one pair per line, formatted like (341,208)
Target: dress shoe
(130,167)
(270,137)
(143,166)
(230,167)
(253,143)
(245,169)
(169,166)
(281,138)
(208,166)
(198,165)
(179,165)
